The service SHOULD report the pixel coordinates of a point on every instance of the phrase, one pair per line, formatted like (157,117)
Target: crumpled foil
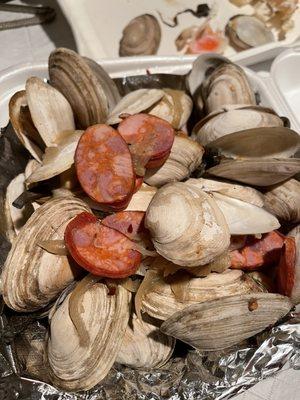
(189,376)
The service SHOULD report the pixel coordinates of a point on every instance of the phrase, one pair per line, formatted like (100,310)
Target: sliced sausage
(286,270)
(150,139)
(258,253)
(101,250)
(104,167)
(130,223)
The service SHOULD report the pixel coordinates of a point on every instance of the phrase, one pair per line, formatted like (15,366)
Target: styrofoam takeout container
(98,26)
(279,89)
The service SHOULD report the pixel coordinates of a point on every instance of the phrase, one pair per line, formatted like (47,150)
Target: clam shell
(234,119)
(276,142)
(86,333)
(175,107)
(142,198)
(24,128)
(244,193)
(246,31)
(110,88)
(186,225)
(227,84)
(257,171)
(74,78)
(144,345)
(166,296)
(134,102)
(50,111)
(283,200)
(141,36)
(295,295)
(39,277)
(221,323)
(56,159)
(185,157)
(244,218)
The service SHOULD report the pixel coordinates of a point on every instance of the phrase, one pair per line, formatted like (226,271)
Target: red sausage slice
(101,250)
(104,167)
(286,270)
(150,139)
(130,223)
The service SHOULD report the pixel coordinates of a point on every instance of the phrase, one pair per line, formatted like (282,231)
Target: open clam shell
(257,171)
(165,296)
(185,157)
(31,276)
(22,123)
(74,78)
(186,225)
(142,198)
(144,345)
(141,36)
(246,31)
(86,333)
(50,111)
(283,200)
(221,323)
(133,103)
(234,119)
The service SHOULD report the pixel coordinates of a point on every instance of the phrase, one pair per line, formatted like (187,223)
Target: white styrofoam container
(278,90)
(98,25)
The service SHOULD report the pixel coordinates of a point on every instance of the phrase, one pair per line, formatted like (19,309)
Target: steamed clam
(144,345)
(185,157)
(86,333)
(141,36)
(221,323)
(31,284)
(234,119)
(197,234)
(246,31)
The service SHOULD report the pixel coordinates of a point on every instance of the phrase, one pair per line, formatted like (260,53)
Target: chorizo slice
(150,140)
(130,223)
(286,269)
(104,167)
(258,253)
(101,250)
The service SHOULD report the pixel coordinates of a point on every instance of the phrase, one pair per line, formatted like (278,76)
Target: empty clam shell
(74,78)
(277,142)
(86,333)
(56,159)
(295,295)
(244,218)
(49,109)
(175,107)
(246,31)
(134,102)
(233,119)
(244,193)
(221,323)
(185,157)
(283,200)
(186,225)
(141,36)
(108,85)
(142,198)
(24,128)
(257,171)
(144,345)
(32,283)
(165,296)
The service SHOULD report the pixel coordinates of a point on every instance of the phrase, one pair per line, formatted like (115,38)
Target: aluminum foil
(189,376)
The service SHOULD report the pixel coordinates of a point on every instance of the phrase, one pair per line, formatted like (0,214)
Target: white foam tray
(97,25)
(279,89)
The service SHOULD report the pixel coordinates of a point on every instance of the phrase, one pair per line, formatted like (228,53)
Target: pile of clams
(148,216)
